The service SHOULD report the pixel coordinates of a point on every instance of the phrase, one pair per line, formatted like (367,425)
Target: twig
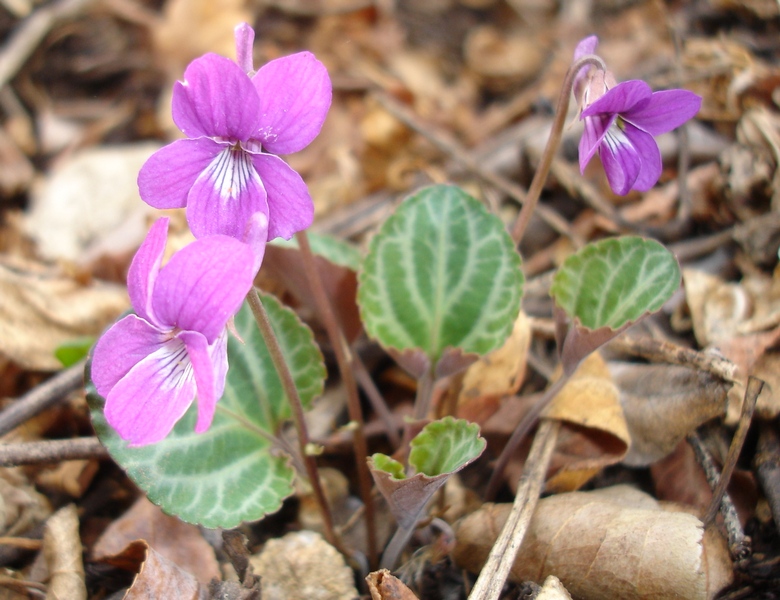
(344,361)
(288,383)
(504,551)
(739,543)
(31,32)
(49,451)
(453,149)
(752,390)
(375,398)
(42,397)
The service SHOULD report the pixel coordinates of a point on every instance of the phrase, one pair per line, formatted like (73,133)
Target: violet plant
(439,288)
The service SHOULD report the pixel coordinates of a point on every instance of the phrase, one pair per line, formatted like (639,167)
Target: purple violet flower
(621,121)
(236,122)
(149,365)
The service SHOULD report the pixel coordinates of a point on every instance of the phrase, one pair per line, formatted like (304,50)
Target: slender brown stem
(275,350)
(377,401)
(343,359)
(50,451)
(543,169)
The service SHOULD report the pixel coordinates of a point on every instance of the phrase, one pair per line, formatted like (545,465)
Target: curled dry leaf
(21,506)
(383,585)
(157,576)
(610,543)
(175,541)
(498,374)
(303,566)
(42,309)
(553,590)
(664,403)
(62,550)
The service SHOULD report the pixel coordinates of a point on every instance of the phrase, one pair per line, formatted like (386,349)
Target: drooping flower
(621,120)
(150,365)
(236,122)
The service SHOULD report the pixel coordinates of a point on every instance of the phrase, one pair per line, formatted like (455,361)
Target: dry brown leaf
(71,477)
(610,543)
(42,309)
(21,506)
(303,566)
(175,541)
(157,577)
(495,375)
(595,433)
(383,585)
(89,204)
(503,60)
(662,404)
(553,590)
(62,549)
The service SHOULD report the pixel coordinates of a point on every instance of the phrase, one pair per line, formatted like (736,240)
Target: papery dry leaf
(503,59)
(553,590)
(71,477)
(303,566)
(595,434)
(21,506)
(610,543)
(62,549)
(383,585)
(89,204)
(180,543)
(495,375)
(662,404)
(42,309)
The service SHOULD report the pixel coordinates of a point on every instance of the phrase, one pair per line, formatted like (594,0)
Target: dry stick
(49,451)
(739,543)
(543,168)
(264,324)
(502,555)
(42,397)
(451,148)
(343,359)
(752,390)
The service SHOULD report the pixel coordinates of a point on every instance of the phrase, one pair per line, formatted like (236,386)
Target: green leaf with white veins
(229,473)
(442,272)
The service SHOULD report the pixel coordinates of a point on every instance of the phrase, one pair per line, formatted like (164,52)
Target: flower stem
(545,162)
(275,350)
(344,361)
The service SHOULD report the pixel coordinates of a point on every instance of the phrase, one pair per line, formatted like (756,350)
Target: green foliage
(445,446)
(442,272)
(227,474)
(616,281)
(73,350)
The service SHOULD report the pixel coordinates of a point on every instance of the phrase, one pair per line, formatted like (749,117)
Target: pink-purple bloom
(150,365)
(621,121)
(236,122)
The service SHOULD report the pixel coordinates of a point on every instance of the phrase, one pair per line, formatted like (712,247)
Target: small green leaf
(388,465)
(615,281)
(73,350)
(442,272)
(445,446)
(229,473)
(337,251)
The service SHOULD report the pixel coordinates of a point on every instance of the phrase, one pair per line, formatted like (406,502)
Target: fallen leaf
(553,590)
(42,308)
(303,566)
(173,540)
(664,403)
(383,585)
(610,543)
(62,549)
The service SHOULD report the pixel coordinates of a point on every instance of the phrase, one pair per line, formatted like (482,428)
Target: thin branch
(343,359)
(288,383)
(46,395)
(50,451)
(502,555)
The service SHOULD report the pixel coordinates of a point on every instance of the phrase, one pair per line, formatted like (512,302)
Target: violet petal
(203,369)
(595,129)
(126,343)
(624,96)
(245,38)
(203,285)
(648,151)
(295,94)
(666,110)
(290,207)
(142,274)
(216,99)
(165,180)
(621,161)
(144,405)
(225,195)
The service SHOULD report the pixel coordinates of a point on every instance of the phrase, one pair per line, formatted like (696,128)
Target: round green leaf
(389,465)
(227,474)
(615,281)
(445,446)
(442,272)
